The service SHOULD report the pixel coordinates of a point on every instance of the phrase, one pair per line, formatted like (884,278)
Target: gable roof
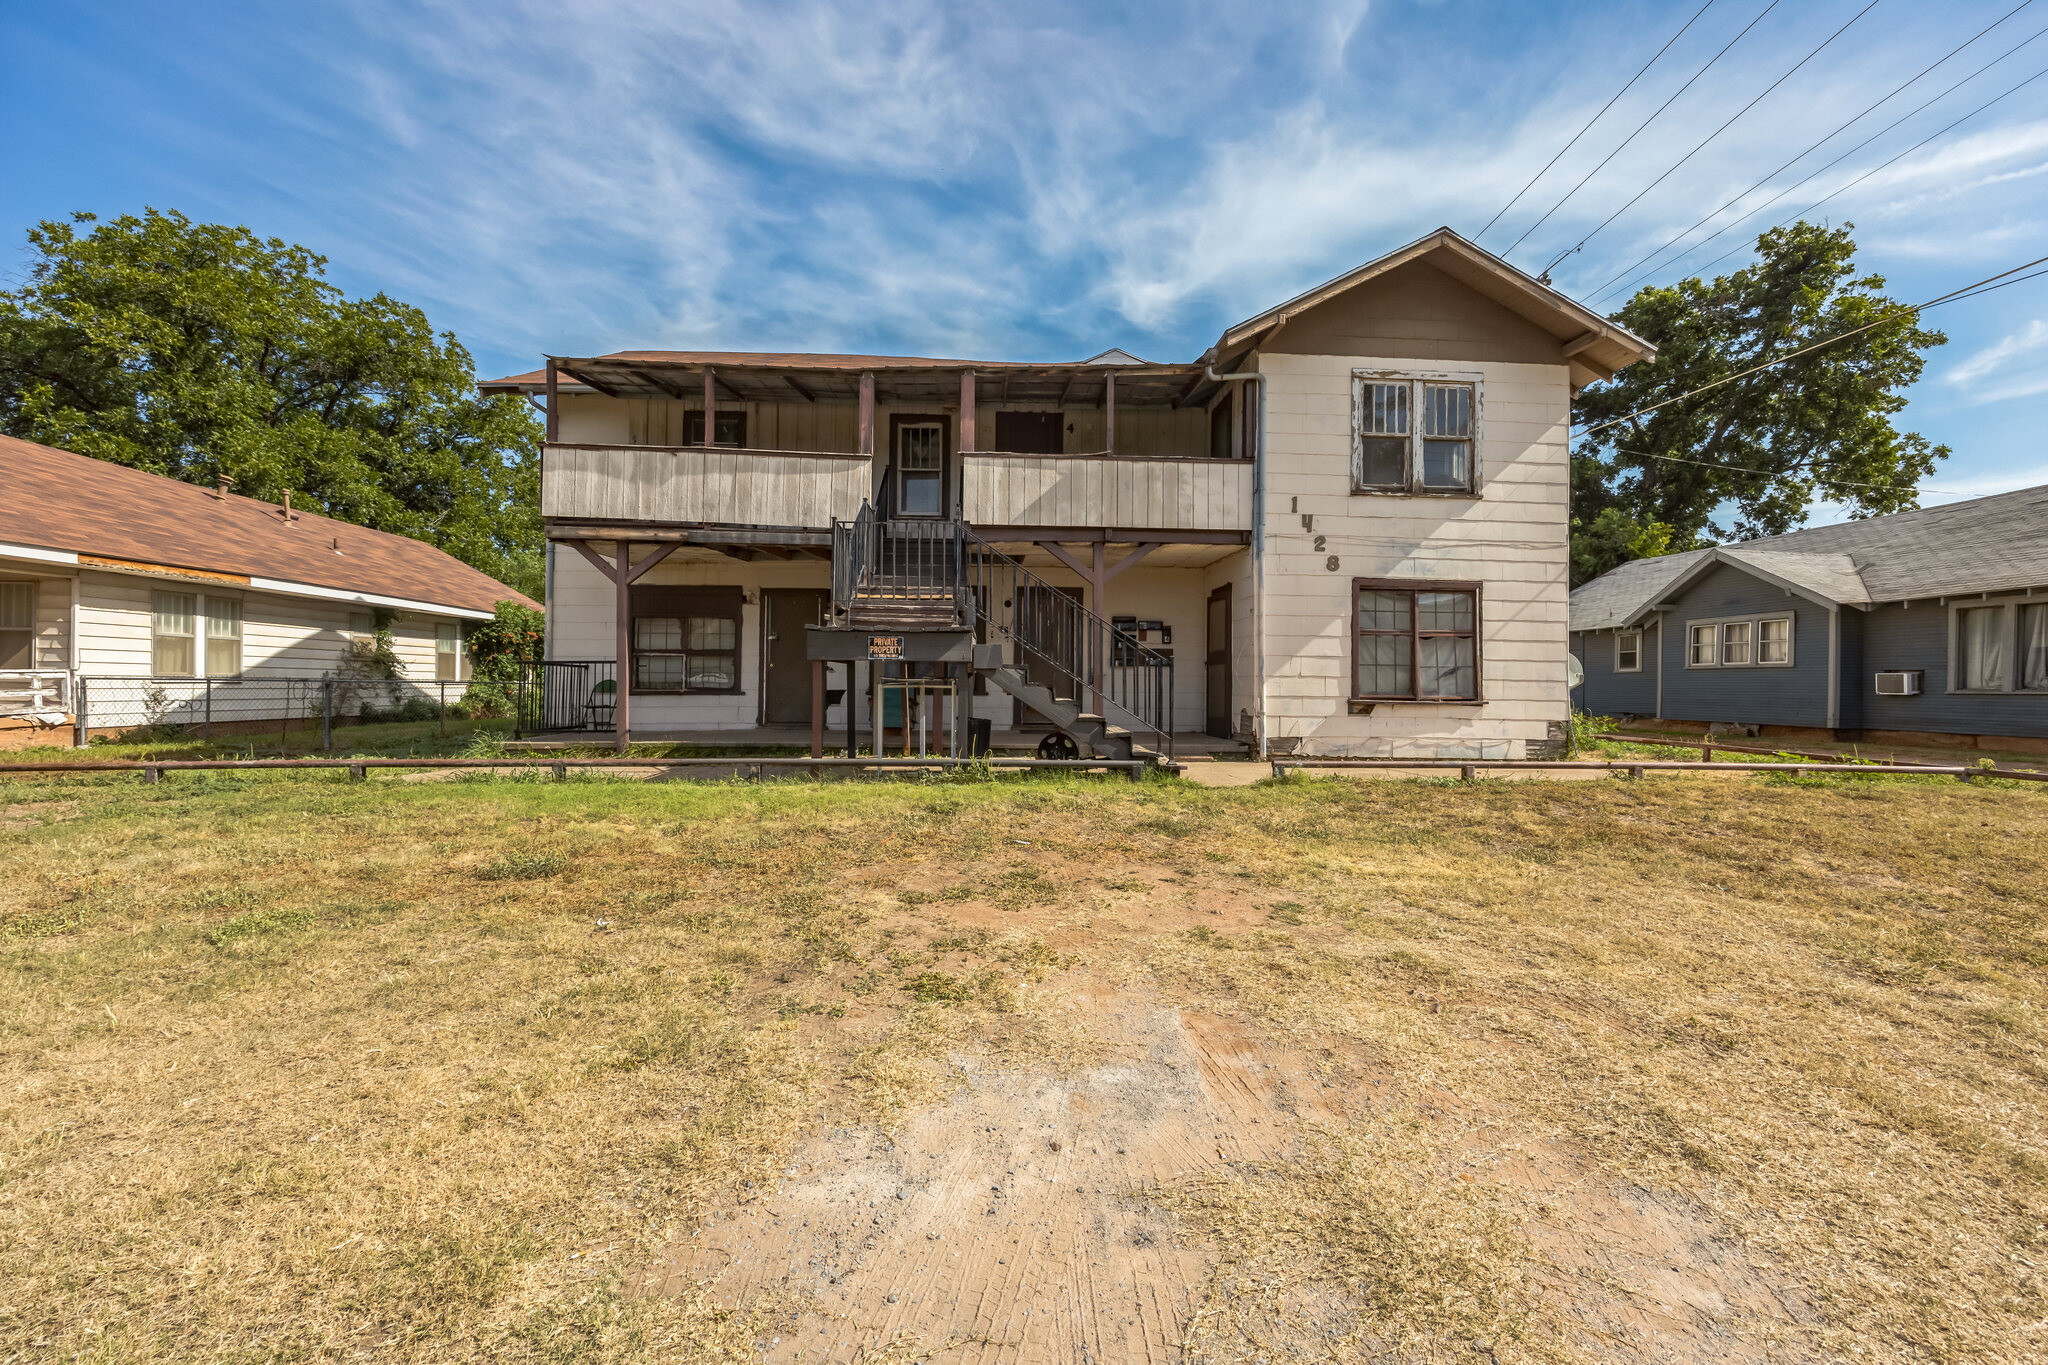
(1993,544)
(81,507)
(1596,347)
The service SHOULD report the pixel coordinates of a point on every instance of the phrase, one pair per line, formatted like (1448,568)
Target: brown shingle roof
(58,500)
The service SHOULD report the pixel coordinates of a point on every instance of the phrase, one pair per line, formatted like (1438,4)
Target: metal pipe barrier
(152,770)
(1470,767)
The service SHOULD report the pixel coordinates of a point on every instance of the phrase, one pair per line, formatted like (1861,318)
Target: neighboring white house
(1342,530)
(144,586)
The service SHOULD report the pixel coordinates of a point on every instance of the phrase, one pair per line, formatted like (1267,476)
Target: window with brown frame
(686,639)
(731,430)
(1414,640)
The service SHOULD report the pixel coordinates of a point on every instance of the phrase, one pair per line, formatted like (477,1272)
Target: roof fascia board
(1706,562)
(37,553)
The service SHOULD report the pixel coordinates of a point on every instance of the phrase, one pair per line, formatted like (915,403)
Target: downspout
(1255,383)
(1834,669)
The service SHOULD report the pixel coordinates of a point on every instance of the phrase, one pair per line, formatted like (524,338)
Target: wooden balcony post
(1098,602)
(553,426)
(967,438)
(622,667)
(1109,412)
(710,407)
(867,413)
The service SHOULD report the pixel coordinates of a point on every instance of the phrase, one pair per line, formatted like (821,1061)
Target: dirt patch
(30,814)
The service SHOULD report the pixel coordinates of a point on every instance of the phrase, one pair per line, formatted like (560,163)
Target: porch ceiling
(1165,557)
(898,382)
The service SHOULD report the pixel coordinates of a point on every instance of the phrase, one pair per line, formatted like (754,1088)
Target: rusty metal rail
(153,770)
(1469,768)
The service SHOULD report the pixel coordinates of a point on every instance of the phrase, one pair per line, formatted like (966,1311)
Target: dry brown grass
(299,1069)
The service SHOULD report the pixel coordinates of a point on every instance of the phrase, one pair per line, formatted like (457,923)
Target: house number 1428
(1329,561)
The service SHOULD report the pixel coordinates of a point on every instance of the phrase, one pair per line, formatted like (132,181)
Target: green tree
(197,349)
(1748,458)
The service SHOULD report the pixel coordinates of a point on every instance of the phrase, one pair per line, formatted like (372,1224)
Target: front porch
(797,739)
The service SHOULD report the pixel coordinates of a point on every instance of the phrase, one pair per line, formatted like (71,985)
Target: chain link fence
(312,708)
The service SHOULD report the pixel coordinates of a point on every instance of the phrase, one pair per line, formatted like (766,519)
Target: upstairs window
(1413,435)
(1628,652)
(17,625)
(731,429)
(171,650)
(1031,433)
(1415,641)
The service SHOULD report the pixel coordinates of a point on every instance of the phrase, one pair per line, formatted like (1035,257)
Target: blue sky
(1037,181)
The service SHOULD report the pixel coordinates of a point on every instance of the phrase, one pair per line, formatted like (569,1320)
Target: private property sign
(885,646)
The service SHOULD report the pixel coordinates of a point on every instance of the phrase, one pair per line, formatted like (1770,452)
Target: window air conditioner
(1899,683)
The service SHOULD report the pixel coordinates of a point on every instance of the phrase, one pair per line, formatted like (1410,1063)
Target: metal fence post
(82,727)
(327,714)
(206,733)
(442,683)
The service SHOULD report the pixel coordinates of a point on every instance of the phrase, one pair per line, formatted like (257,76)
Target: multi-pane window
(1628,651)
(172,652)
(686,639)
(1412,435)
(17,625)
(1418,643)
(223,637)
(1747,643)
(921,469)
(447,651)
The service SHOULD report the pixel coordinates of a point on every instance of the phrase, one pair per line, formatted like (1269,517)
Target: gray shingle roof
(1993,544)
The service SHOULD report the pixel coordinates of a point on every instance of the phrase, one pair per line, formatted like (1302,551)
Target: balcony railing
(1107,490)
(721,485)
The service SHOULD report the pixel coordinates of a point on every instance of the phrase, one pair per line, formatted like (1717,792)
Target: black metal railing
(1077,653)
(575,694)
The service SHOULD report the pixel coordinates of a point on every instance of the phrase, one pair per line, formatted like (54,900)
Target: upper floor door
(918,446)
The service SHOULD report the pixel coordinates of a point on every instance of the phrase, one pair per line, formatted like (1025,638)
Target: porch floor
(1185,744)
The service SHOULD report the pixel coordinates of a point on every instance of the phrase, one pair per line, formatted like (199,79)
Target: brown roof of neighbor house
(59,500)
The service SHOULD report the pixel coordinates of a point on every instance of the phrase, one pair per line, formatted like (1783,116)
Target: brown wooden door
(1048,647)
(1216,673)
(786,672)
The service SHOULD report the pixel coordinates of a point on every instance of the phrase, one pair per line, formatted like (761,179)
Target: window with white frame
(362,632)
(1413,435)
(1739,642)
(223,637)
(1999,647)
(172,649)
(1628,651)
(17,625)
(447,651)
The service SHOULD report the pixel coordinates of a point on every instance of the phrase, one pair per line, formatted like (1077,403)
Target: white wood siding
(692,484)
(1512,538)
(1066,490)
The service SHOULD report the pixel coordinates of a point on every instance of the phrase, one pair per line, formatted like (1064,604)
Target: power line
(1983,286)
(1593,120)
(1639,127)
(1777,473)
(1864,144)
(1716,133)
(1626,271)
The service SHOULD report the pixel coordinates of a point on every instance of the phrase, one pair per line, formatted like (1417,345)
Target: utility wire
(1739,246)
(1983,286)
(1624,273)
(1639,127)
(1593,120)
(1711,136)
(1775,473)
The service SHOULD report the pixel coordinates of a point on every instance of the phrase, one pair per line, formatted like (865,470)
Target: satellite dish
(1574,671)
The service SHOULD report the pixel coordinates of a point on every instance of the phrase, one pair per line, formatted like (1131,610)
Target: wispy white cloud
(1995,373)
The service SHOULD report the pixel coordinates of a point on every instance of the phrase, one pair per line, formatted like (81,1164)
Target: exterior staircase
(908,576)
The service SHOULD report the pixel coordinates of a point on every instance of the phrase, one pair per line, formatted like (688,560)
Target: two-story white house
(1343,530)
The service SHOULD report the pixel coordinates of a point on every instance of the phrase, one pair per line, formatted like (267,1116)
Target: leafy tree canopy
(197,349)
(1746,459)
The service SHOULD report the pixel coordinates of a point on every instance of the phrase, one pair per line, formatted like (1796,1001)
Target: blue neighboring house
(1932,622)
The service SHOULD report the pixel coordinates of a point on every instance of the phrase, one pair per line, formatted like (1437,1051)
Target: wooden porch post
(1098,584)
(710,407)
(817,710)
(622,667)
(1109,413)
(967,437)
(867,412)
(553,425)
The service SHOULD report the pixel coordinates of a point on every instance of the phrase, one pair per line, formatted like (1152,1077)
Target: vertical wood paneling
(1056,490)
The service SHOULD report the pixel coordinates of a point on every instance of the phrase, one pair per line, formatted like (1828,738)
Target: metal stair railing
(910,562)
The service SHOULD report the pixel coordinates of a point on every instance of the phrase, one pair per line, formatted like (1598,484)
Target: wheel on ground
(1057,745)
